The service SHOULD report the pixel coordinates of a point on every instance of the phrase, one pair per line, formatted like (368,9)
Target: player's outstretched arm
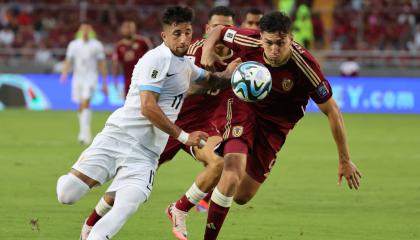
(104,73)
(346,168)
(65,71)
(151,110)
(208,57)
(219,80)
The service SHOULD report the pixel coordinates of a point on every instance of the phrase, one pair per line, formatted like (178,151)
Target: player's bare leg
(247,189)
(73,186)
(204,182)
(85,116)
(222,197)
(104,205)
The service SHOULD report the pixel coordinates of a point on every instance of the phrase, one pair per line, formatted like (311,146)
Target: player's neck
(280,62)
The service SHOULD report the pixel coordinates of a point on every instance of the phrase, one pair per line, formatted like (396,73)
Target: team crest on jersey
(287,84)
(237,131)
(154,74)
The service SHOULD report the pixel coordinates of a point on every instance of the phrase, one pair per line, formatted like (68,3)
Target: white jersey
(85,56)
(160,71)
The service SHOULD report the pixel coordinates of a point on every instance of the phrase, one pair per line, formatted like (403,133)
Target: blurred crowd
(377,25)
(44,25)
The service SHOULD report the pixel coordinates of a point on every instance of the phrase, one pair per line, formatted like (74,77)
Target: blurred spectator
(318,28)
(302,26)
(349,68)
(43,54)
(252,18)
(7,36)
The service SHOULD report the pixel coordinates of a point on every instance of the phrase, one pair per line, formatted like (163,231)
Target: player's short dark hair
(276,22)
(177,14)
(221,11)
(254,11)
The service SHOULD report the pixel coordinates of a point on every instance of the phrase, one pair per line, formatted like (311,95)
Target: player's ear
(207,29)
(163,35)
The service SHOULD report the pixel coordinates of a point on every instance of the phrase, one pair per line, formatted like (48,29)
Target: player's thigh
(99,160)
(88,90)
(140,175)
(171,149)
(247,189)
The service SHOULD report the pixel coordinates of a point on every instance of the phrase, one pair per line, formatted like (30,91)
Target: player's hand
(197,138)
(63,78)
(349,170)
(231,67)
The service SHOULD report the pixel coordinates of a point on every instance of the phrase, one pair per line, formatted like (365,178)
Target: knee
(241,200)
(70,189)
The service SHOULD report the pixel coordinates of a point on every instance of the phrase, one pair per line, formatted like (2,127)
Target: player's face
(252,21)
(128,29)
(177,37)
(219,20)
(85,30)
(276,46)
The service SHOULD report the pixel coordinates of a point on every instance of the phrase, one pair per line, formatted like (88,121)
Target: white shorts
(81,91)
(114,154)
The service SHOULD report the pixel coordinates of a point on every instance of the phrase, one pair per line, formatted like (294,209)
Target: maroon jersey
(197,110)
(294,82)
(128,52)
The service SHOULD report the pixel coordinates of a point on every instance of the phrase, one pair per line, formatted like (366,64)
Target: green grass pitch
(300,200)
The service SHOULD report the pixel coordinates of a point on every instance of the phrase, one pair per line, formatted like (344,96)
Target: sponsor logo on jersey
(237,131)
(229,35)
(287,84)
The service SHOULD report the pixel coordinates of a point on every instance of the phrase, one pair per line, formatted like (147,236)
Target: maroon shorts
(235,119)
(267,143)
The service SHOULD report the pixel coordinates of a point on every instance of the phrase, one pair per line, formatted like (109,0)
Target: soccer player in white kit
(86,54)
(134,136)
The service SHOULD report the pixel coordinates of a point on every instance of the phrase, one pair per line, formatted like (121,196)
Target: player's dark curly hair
(276,22)
(177,14)
(221,11)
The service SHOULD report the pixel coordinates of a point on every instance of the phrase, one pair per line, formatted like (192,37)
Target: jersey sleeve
(240,39)
(318,86)
(150,72)
(197,74)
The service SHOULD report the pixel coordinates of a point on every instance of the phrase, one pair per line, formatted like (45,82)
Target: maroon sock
(215,219)
(184,204)
(208,196)
(93,218)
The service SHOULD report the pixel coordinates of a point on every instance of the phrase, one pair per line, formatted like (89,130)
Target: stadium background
(300,200)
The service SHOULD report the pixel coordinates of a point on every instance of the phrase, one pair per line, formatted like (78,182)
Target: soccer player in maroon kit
(296,78)
(127,53)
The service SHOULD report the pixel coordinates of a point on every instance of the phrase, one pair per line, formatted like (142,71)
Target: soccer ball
(251,81)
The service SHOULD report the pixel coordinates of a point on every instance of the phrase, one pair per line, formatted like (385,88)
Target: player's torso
(198,109)
(85,60)
(289,94)
(130,51)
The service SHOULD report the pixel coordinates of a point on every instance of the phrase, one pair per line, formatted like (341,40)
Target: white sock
(70,189)
(194,194)
(127,200)
(102,207)
(220,199)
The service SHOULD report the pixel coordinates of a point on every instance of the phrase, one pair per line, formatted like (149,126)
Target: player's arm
(346,167)
(216,80)
(103,71)
(115,68)
(151,110)
(65,70)
(237,39)
(67,62)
